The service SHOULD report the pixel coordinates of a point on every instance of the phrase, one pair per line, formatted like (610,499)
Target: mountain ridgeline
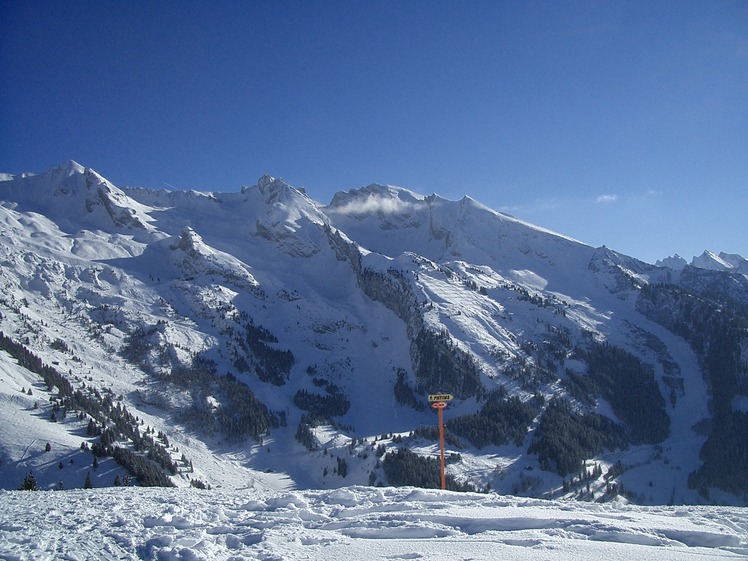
(306,338)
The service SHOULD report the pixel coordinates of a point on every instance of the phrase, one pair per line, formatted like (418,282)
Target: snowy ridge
(70,188)
(709,260)
(379,216)
(380,295)
(721,262)
(193,257)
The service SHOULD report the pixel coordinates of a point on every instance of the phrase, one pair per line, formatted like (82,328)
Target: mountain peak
(737,262)
(675,262)
(269,185)
(710,260)
(71,167)
(265,181)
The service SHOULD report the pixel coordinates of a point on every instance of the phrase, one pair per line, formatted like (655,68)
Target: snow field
(354,523)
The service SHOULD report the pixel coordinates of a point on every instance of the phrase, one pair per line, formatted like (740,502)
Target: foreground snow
(354,523)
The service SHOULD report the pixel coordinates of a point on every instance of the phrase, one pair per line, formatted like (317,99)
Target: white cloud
(538,205)
(376,205)
(606,198)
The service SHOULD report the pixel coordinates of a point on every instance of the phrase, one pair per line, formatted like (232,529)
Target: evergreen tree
(87,484)
(342,467)
(29,483)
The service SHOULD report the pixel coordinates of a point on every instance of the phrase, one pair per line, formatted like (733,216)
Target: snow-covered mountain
(261,337)
(709,260)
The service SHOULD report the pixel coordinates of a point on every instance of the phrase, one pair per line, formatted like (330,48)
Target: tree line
(406,468)
(716,327)
(113,422)
(498,422)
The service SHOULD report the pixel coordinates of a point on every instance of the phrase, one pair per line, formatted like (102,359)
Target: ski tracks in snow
(354,523)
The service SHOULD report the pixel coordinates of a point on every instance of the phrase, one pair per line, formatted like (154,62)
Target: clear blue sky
(622,123)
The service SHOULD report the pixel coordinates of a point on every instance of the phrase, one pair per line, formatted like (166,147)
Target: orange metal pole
(441,443)
(440,405)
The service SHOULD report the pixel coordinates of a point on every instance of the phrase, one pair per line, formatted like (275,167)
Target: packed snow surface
(354,523)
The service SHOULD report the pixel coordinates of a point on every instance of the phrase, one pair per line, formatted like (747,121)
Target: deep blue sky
(622,123)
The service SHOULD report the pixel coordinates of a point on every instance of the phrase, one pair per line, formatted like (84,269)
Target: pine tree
(342,467)
(29,483)
(88,484)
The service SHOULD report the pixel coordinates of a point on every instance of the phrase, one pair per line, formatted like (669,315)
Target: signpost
(439,402)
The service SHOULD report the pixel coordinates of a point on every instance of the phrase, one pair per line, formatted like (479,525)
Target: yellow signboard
(440,397)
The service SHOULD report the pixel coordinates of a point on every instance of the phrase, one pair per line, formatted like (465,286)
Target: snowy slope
(139,284)
(354,524)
